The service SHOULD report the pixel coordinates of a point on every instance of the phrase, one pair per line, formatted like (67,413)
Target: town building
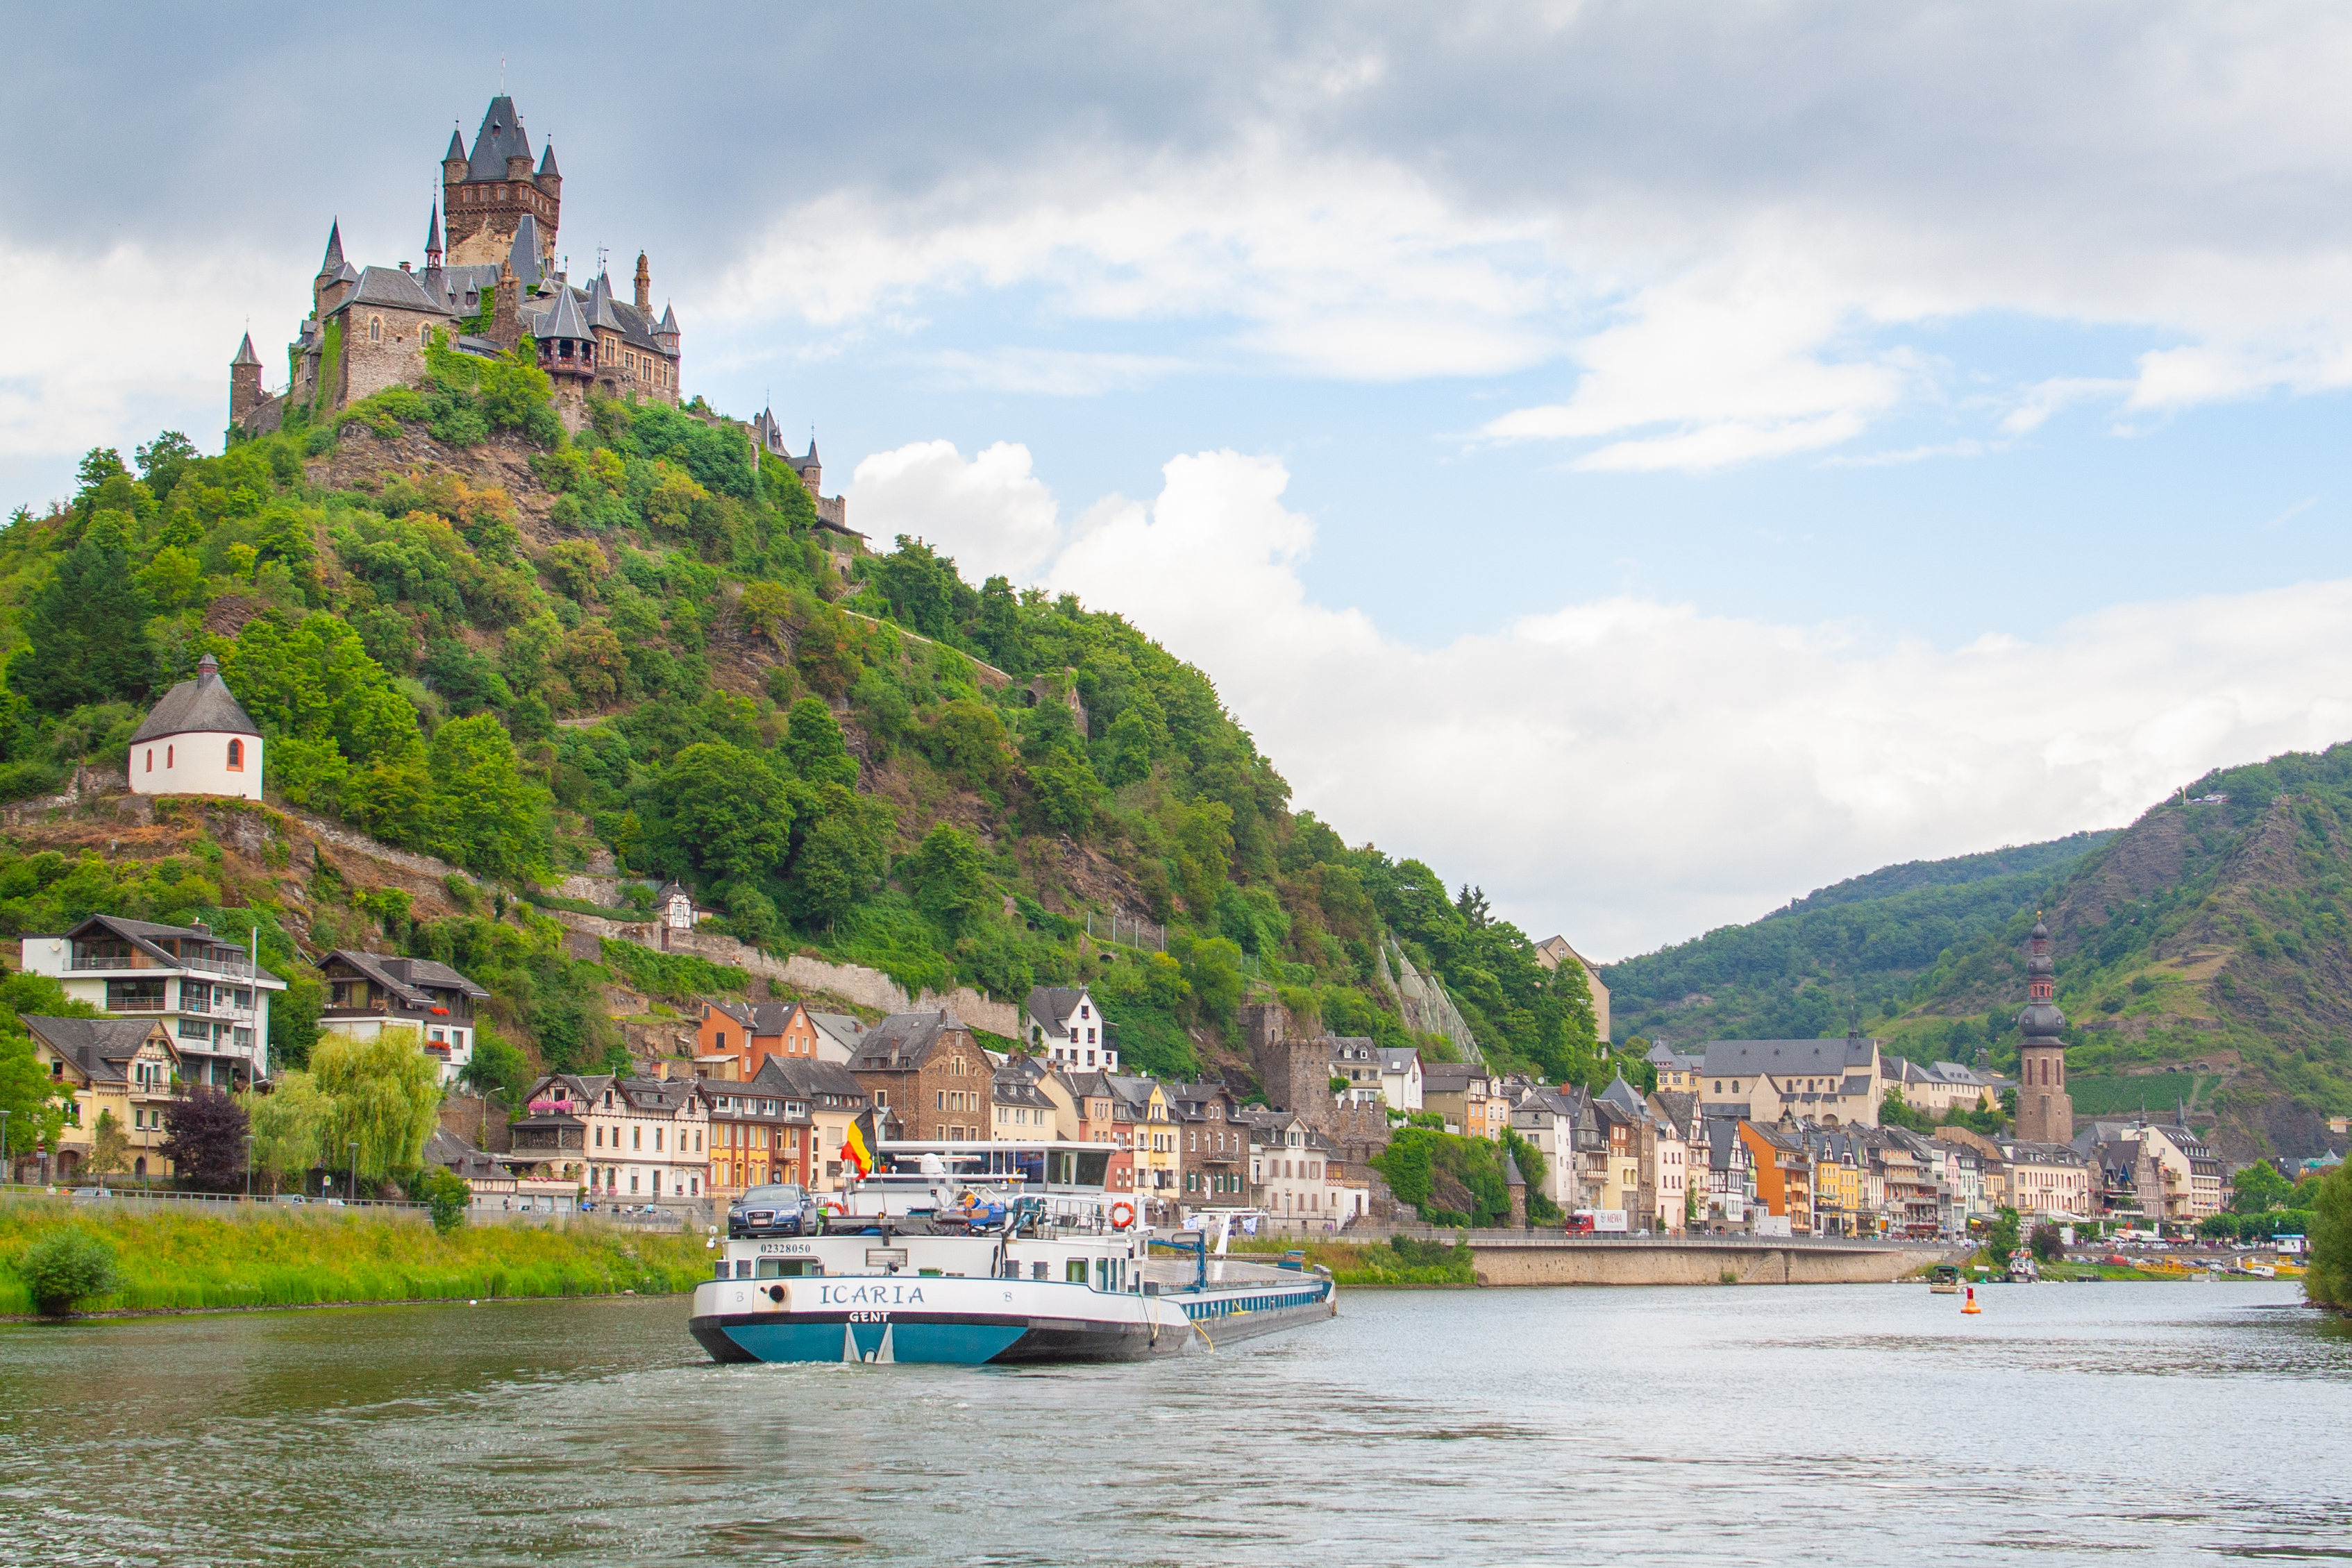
(207,991)
(2045,1112)
(1393,1073)
(128,1069)
(1464,1093)
(675,913)
(1727,1172)
(1825,1081)
(930,1073)
(1783,1175)
(1066,1028)
(1021,1111)
(1670,1140)
(760,1132)
(619,1140)
(735,1039)
(1554,953)
(836,1102)
(1559,1122)
(1677,1072)
(1212,1146)
(1940,1088)
(368,993)
(198,740)
(1289,1163)
(2148,1173)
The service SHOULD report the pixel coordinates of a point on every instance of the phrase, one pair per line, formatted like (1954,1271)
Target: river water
(1829,1423)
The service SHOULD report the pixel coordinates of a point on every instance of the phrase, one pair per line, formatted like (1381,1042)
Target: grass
(2119,1095)
(289,1258)
(1364,1263)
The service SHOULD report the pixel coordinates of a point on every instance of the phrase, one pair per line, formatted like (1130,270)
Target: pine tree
(88,627)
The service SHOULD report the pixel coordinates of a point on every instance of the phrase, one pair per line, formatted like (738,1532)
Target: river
(1829,1423)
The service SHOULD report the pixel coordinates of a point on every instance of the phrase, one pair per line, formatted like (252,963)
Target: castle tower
(244,381)
(2045,1112)
(432,240)
(335,274)
(644,285)
(486,193)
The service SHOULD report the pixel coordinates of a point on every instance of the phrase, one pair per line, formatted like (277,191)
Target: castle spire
(245,354)
(457,145)
(547,161)
(333,263)
(433,238)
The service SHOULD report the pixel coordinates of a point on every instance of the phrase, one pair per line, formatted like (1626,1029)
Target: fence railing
(1125,931)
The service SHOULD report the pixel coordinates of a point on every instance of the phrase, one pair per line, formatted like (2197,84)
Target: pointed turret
(332,264)
(550,180)
(457,145)
(245,354)
(432,240)
(244,381)
(547,161)
(644,285)
(566,348)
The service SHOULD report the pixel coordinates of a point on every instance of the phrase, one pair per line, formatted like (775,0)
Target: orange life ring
(1122,1214)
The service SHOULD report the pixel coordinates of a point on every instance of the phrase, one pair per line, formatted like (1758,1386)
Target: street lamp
(355,1171)
(248,1167)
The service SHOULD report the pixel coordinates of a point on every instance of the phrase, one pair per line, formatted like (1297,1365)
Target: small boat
(1000,1254)
(1946,1281)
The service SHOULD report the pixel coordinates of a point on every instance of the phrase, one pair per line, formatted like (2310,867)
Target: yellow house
(128,1067)
(1156,1158)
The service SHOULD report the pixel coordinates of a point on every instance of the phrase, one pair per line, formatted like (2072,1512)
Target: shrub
(67,1266)
(448,1196)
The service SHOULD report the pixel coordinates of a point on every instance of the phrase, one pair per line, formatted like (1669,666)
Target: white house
(1394,1071)
(1292,1176)
(1066,1029)
(368,993)
(198,741)
(206,991)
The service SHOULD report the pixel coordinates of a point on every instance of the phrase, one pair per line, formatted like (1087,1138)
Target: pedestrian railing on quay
(95,1192)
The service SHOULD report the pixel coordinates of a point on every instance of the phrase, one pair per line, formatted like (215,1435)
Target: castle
(496,285)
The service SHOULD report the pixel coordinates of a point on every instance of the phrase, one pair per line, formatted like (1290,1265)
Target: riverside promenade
(1547,1258)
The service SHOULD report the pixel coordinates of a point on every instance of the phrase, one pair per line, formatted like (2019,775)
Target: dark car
(781,1210)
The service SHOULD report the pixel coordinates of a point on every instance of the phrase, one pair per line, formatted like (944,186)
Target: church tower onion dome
(2041,1020)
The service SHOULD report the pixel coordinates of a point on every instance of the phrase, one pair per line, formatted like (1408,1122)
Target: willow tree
(289,1126)
(385,1095)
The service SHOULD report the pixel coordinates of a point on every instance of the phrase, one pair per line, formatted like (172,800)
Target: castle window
(375,328)
(237,757)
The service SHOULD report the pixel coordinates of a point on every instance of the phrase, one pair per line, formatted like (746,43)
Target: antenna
(502,73)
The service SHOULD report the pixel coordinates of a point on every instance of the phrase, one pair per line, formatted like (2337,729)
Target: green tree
(290,1127)
(483,815)
(449,1197)
(728,813)
(66,1267)
(88,625)
(2002,1237)
(497,1065)
(1896,1112)
(813,743)
(2329,1280)
(32,1099)
(109,1147)
(2259,1187)
(385,1095)
(205,1138)
(2048,1244)
(841,859)
(948,877)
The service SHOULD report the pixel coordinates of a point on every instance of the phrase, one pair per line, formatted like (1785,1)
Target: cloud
(1053,371)
(991,513)
(1633,772)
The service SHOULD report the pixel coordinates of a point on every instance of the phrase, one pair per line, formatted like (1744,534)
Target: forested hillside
(2201,955)
(1850,951)
(468,633)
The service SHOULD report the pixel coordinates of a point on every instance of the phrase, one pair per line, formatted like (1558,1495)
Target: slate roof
(812,1080)
(844,1030)
(501,138)
(905,1040)
(100,1047)
(1450,1077)
(1052,1005)
(563,322)
(1623,1097)
(432,230)
(523,256)
(331,264)
(1785,1058)
(245,354)
(413,980)
(389,288)
(147,935)
(202,705)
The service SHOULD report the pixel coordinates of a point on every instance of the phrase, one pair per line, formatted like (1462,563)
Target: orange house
(1784,1183)
(735,1041)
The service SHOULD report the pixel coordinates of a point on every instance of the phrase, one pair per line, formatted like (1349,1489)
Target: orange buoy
(1970,1304)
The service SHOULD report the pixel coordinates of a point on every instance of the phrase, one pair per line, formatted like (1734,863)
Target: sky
(1646,460)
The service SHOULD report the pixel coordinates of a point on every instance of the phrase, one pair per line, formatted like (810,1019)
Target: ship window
(1074,1271)
(786,1268)
(1036,1270)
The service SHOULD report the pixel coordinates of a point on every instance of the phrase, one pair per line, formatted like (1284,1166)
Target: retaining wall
(1582,1261)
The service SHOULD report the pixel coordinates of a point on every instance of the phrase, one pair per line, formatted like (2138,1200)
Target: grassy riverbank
(1374,1262)
(281,1259)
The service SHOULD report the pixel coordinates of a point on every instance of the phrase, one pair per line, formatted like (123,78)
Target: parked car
(91,1192)
(781,1209)
(290,1197)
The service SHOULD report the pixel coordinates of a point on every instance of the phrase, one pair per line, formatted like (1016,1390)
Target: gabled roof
(100,1047)
(204,705)
(1785,1058)
(1451,1077)
(391,289)
(501,138)
(1623,1097)
(905,1040)
(844,1030)
(811,1078)
(245,354)
(1052,1005)
(148,937)
(413,980)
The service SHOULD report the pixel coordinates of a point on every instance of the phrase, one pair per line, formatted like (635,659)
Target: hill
(1853,949)
(633,650)
(2202,959)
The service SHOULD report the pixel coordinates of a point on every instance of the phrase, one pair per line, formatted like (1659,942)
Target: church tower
(2045,1112)
(486,193)
(244,381)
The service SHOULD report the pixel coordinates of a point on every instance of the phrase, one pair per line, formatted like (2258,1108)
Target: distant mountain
(2201,957)
(1855,948)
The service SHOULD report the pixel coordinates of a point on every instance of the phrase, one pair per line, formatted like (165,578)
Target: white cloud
(991,514)
(1634,772)
(1054,371)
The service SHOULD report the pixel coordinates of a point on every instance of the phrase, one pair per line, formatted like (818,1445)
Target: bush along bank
(54,1258)
(1401,1260)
